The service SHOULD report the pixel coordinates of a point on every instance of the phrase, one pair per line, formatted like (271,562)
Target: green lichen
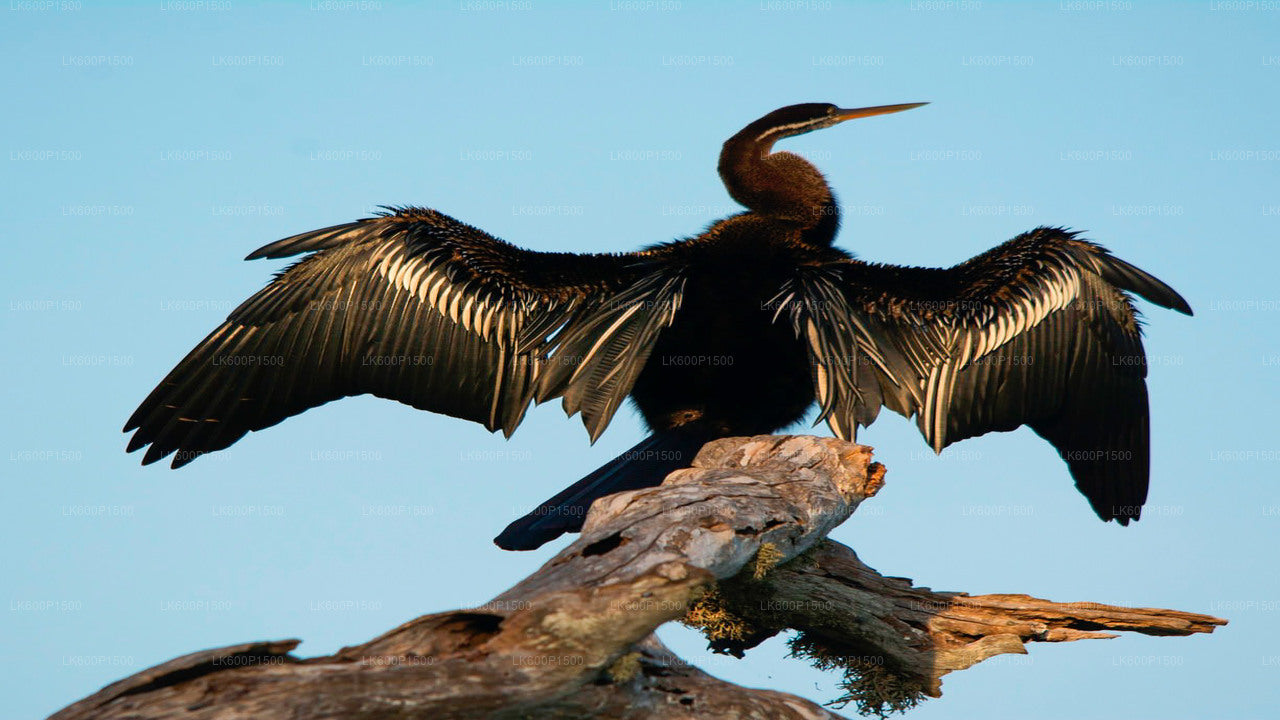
(767,558)
(870,683)
(708,613)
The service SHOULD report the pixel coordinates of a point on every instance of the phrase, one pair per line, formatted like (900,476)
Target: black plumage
(736,331)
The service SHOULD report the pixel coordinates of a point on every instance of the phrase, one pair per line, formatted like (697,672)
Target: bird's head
(807,117)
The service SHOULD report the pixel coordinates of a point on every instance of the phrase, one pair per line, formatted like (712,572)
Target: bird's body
(726,362)
(736,331)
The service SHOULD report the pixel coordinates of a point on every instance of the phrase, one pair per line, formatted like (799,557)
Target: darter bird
(737,331)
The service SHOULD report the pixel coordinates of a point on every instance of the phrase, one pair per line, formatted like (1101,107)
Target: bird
(738,331)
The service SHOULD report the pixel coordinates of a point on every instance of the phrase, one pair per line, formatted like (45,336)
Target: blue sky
(149,147)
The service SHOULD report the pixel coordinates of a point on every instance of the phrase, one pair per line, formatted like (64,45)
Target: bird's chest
(724,311)
(726,333)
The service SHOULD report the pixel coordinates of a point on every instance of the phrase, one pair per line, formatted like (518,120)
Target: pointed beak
(842,115)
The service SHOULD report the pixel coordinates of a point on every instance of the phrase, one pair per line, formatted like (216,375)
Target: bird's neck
(779,185)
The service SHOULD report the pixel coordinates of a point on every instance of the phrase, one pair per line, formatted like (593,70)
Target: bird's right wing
(417,307)
(1038,331)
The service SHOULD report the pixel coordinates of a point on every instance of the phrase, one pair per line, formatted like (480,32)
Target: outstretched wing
(1039,331)
(414,306)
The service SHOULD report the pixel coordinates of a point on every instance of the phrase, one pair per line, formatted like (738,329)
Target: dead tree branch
(734,545)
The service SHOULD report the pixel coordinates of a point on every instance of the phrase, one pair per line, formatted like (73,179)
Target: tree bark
(734,545)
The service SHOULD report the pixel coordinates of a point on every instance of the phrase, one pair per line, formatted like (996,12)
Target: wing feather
(1039,331)
(599,354)
(417,307)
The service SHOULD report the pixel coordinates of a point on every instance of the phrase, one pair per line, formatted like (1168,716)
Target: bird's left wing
(1038,331)
(417,307)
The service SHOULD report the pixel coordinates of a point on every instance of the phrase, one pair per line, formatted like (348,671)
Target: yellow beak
(843,115)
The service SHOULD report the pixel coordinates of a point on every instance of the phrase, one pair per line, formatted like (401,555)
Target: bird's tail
(644,465)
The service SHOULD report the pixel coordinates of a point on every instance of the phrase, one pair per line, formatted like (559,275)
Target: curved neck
(780,185)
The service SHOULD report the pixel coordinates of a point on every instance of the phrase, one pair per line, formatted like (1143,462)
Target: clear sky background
(147,149)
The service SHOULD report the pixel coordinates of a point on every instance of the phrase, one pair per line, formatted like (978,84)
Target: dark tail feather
(645,465)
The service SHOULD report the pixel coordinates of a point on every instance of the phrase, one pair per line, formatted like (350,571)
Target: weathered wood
(847,608)
(739,537)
